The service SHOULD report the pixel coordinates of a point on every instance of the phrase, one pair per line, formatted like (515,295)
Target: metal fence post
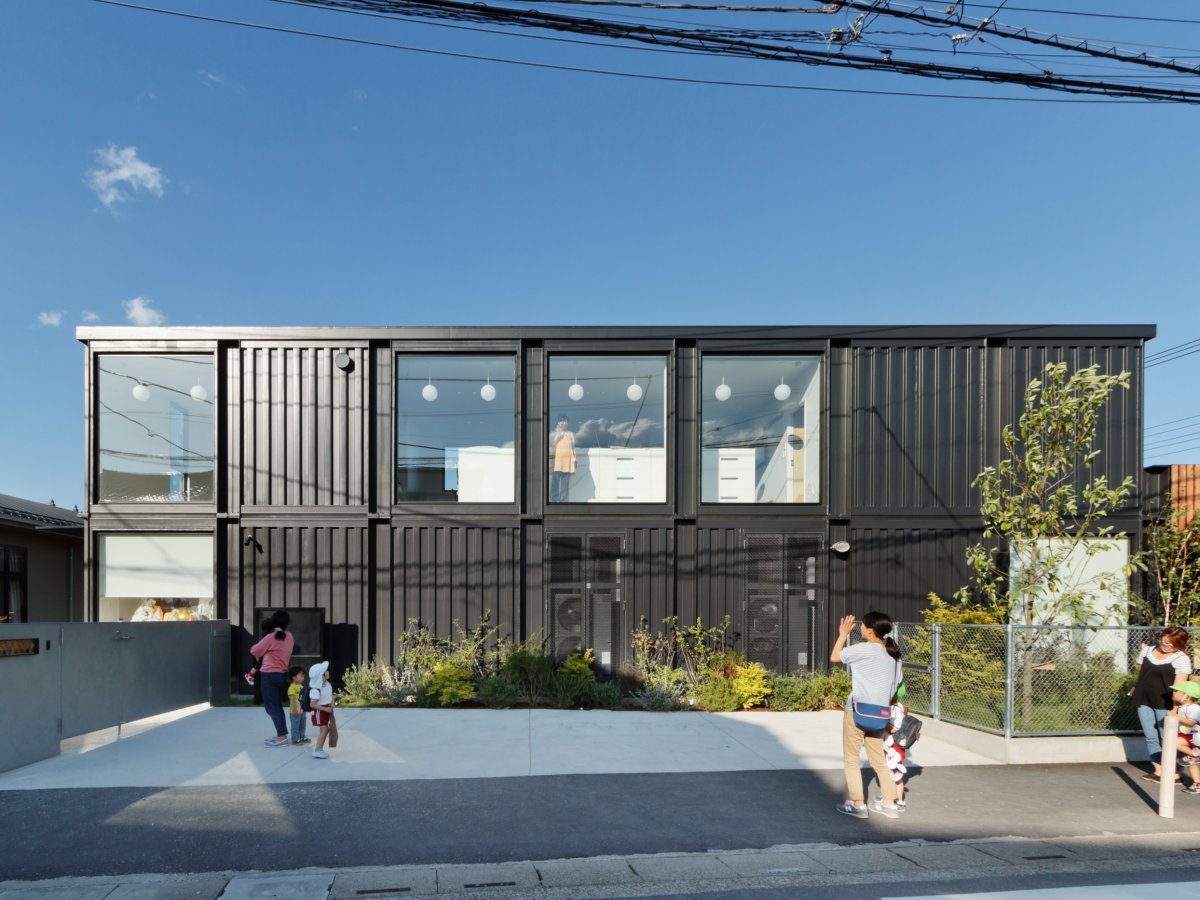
(935,680)
(1009,688)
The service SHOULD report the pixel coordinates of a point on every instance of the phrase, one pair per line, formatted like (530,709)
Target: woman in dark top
(1159,667)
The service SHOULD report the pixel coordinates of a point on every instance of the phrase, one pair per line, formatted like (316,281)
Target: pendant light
(575,391)
(782,391)
(634,391)
(141,393)
(429,392)
(487,392)
(723,391)
(199,394)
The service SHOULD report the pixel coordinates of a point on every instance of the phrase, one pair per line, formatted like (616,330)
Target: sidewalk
(545,803)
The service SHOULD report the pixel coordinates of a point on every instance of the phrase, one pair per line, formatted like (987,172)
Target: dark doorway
(584,607)
(784,591)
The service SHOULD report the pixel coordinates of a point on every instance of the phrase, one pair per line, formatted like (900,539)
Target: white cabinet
(485,474)
(727,476)
(621,475)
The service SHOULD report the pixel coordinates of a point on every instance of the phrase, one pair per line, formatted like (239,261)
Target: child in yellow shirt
(295,707)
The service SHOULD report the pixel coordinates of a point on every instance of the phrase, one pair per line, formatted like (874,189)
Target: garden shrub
(602,695)
(377,683)
(497,692)
(810,692)
(529,667)
(449,683)
(565,688)
(752,684)
(716,693)
(663,690)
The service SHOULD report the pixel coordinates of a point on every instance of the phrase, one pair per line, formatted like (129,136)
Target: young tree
(1038,526)
(1173,561)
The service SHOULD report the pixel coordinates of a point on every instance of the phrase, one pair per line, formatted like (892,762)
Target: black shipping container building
(568,481)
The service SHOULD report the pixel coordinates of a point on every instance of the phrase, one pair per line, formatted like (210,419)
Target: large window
(455,428)
(607,434)
(156,577)
(156,434)
(14,585)
(761,435)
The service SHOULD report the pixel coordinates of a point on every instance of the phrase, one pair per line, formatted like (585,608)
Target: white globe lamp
(199,394)
(575,391)
(429,392)
(634,392)
(487,392)
(723,391)
(141,393)
(782,391)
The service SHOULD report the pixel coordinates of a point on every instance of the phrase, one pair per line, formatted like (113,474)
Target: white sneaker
(319,754)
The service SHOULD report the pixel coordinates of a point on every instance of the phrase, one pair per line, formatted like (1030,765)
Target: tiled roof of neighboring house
(39,515)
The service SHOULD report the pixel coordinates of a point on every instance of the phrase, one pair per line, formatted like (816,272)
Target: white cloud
(53,319)
(119,172)
(138,312)
(88,316)
(211,79)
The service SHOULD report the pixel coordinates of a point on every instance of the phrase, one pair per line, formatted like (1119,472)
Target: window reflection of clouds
(771,445)
(157,444)
(442,445)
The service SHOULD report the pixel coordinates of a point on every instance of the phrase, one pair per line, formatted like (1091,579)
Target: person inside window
(562,460)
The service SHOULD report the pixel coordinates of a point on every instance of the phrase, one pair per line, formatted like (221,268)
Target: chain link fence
(1019,680)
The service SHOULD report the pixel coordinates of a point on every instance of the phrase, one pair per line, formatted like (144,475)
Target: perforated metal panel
(784,586)
(585,612)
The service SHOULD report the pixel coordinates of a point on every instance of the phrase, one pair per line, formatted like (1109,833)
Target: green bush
(529,667)
(449,683)
(565,688)
(810,692)
(602,695)
(496,692)
(377,683)
(752,683)
(663,690)
(716,693)
(361,686)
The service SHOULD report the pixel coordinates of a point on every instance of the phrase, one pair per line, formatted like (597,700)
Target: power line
(1171,422)
(1177,439)
(720,44)
(1128,98)
(1160,361)
(1172,350)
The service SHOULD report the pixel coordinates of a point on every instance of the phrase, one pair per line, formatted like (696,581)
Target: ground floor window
(156,577)
(14,584)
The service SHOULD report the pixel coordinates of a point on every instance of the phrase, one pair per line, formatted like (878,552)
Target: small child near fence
(1184,695)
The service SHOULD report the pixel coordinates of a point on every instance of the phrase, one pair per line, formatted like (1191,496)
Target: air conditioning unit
(566,624)
(764,627)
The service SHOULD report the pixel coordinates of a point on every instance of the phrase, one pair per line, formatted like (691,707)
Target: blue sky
(160,169)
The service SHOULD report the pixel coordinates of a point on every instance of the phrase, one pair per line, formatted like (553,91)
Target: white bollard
(1166,784)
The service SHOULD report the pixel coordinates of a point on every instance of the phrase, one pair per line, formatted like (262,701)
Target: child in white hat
(320,699)
(1185,696)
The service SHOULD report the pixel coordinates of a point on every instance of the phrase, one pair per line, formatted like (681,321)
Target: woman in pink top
(275,649)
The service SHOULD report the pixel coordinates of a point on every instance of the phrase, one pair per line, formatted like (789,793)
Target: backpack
(908,732)
(305,702)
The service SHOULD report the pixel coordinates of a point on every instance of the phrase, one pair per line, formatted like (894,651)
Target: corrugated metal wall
(303,427)
(306,567)
(1119,429)
(650,592)
(894,568)
(442,574)
(918,427)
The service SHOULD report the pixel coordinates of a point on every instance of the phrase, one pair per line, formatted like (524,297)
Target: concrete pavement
(623,803)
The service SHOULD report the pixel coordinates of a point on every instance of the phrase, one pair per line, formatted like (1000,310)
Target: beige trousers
(853,739)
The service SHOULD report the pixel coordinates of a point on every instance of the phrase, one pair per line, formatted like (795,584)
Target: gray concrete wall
(88,676)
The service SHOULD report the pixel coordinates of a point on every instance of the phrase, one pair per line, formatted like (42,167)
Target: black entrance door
(584,607)
(783,592)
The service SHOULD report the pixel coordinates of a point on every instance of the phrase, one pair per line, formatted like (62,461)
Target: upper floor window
(607,435)
(455,429)
(761,433)
(155,428)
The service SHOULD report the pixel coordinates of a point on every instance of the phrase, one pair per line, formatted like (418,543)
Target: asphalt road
(109,831)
